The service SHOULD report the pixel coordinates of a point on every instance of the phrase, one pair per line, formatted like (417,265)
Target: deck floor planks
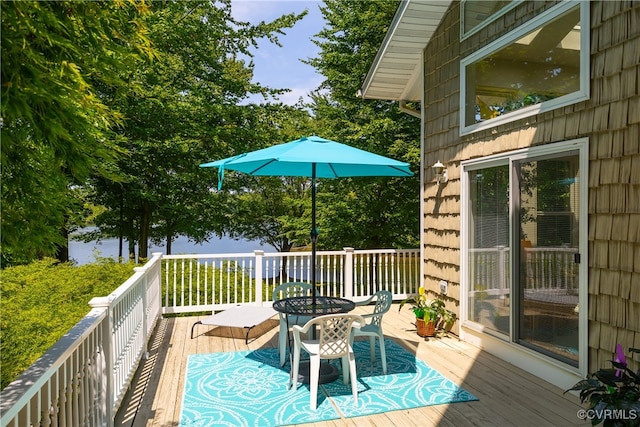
(505,387)
(508,396)
(537,390)
(173,376)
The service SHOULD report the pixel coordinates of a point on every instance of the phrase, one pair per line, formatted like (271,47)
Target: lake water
(85,253)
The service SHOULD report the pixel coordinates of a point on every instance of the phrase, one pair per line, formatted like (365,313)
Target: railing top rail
(552,249)
(211,256)
(384,251)
(305,253)
(16,395)
(250,255)
(139,273)
(284,254)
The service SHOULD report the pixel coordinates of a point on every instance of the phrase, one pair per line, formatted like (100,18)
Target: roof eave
(396,72)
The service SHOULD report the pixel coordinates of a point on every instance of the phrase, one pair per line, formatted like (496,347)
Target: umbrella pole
(314,233)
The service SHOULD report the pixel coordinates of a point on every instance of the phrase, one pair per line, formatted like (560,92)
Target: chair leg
(295,367)
(282,343)
(372,349)
(314,371)
(383,355)
(345,369)
(354,378)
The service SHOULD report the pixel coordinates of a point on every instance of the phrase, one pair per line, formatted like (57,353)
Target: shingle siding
(611,121)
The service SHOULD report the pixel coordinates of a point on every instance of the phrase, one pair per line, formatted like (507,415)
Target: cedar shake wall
(611,121)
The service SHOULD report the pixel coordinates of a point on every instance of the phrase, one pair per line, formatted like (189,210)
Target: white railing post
(259,254)
(502,271)
(145,307)
(154,291)
(348,273)
(107,348)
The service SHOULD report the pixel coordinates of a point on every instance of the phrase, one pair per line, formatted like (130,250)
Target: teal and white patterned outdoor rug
(248,388)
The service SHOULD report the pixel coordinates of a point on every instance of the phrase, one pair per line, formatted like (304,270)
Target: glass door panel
(489,252)
(547,270)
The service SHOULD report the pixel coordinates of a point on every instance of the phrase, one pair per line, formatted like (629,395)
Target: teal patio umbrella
(312,157)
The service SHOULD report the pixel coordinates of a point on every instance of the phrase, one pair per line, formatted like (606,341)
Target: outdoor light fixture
(440,172)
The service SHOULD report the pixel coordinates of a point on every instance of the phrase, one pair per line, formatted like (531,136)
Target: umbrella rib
(403,171)
(263,166)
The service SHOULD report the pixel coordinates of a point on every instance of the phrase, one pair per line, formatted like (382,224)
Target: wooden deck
(508,396)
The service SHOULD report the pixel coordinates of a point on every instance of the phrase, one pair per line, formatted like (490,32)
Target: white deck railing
(195,283)
(83,378)
(550,268)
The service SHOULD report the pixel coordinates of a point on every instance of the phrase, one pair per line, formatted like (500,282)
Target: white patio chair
(373,327)
(288,290)
(334,342)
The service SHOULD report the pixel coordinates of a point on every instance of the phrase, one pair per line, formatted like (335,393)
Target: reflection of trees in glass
(512,102)
(528,209)
(553,179)
(546,201)
(554,199)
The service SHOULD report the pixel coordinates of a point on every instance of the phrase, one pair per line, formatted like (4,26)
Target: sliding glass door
(522,239)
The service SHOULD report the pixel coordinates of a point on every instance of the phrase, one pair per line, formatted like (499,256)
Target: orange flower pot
(425,329)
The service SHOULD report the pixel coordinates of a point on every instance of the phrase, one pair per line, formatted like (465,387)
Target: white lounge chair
(240,316)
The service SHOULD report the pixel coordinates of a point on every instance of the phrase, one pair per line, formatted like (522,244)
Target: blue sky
(280,67)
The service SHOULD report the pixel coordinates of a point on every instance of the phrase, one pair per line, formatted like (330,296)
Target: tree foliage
(123,99)
(56,124)
(363,212)
(116,104)
(42,301)
(184,109)
(358,212)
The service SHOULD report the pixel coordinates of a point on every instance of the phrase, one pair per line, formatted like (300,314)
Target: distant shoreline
(85,253)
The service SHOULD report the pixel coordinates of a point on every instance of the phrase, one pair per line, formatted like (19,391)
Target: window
(474,14)
(523,234)
(541,66)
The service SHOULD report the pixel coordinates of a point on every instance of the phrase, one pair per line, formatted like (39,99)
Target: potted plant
(429,313)
(612,395)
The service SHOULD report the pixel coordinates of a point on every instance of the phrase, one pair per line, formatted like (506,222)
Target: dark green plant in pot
(612,395)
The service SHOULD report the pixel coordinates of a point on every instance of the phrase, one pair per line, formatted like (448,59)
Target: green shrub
(42,301)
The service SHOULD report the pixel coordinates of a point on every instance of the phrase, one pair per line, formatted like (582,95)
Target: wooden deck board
(507,395)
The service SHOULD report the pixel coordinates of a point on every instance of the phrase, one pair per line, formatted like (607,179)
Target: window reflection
(540,66)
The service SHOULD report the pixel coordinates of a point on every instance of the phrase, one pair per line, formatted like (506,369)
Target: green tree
(358,212)
(184,111)
(56,123)
(363,212)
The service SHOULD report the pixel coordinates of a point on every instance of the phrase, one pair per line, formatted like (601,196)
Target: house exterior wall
(611,121)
